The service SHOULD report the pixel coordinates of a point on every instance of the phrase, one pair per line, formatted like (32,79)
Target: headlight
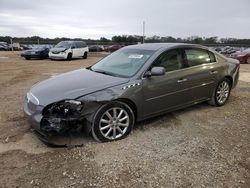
(67,108)
(73,102)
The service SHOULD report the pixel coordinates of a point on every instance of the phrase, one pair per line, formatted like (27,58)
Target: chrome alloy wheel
(114,123)
(222,92)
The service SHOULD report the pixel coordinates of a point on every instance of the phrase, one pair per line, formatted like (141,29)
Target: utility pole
(11,42)
(143,32)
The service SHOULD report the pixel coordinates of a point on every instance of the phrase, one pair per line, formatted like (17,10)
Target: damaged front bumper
(59,118)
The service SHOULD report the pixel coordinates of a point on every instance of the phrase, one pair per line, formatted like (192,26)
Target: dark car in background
(243,57)
(135,83)
(5,46)
(228,50)
(113,48)
(96,48)
(39,51)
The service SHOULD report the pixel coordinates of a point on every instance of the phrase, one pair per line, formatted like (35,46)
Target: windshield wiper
(100,71)
(104,72)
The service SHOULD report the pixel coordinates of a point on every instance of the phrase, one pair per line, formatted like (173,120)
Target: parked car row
(241,54)
(96,48)
(101,48)
(113,48)
(63,50)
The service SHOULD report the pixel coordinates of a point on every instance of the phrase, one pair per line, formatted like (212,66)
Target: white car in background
(69,49)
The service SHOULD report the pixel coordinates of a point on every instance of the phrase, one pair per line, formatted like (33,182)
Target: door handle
(213,72)
(182,80)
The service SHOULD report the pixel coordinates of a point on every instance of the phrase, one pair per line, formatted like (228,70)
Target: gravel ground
(201,146)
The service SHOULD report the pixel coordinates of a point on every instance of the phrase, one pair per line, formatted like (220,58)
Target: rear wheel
(85,56)
(248,60)
(221,93)
(113,121)
(69,57)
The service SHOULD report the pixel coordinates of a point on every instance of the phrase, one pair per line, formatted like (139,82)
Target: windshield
(124,63)
(63,44)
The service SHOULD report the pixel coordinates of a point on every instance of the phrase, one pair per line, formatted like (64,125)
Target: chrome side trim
(160,96)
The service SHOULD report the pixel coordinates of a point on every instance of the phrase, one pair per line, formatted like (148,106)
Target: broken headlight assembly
(62,116)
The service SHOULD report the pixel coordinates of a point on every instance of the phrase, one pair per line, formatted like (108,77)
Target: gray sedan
(132,84)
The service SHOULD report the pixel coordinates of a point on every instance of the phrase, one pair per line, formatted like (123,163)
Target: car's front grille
(55,52)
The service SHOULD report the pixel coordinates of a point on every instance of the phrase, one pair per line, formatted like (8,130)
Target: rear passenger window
(78,45)
(197,57)
(84,44)
(212,57)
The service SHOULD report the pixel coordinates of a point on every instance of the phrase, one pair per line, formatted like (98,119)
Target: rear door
(75,50)
(201,73)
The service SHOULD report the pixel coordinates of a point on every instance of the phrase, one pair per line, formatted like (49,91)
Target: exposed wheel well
(131,104)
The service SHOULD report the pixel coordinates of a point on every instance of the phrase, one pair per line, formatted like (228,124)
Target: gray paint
(152,96)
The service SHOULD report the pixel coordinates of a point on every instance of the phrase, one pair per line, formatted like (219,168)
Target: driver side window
(170,60)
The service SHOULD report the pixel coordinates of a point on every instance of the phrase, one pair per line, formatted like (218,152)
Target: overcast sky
(97,18)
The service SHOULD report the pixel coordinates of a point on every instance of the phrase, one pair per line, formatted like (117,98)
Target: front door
(162,93)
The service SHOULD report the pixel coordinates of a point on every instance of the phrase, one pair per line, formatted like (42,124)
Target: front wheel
(113,121)
(221,93)
(69,57)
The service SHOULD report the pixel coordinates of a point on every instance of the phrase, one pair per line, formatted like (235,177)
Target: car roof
(158,46)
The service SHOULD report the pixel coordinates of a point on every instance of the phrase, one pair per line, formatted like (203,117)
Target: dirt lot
(201,146)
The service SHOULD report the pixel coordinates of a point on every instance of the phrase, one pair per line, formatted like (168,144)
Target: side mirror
(156,71)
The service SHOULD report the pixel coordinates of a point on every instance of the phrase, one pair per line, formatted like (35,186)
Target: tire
(248,60)
(221,93)
(69,57)
(85,56)
(27,58)
(108,126)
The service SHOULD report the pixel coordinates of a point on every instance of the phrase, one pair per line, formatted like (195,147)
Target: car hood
(72,85)
(58,49)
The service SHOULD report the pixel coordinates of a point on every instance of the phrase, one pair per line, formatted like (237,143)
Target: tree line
(133,39)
